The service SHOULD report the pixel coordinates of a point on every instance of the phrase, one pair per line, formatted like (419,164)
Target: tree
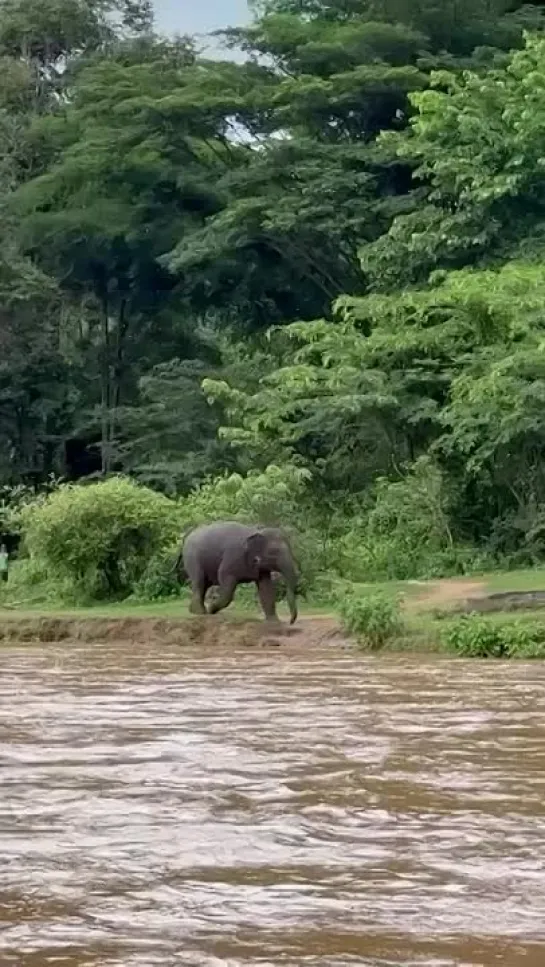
(112,204)
(170,439)
(40,45)
(170,220)
(476,145)
(36,397)
(315,184)
(454,371)
(47,36)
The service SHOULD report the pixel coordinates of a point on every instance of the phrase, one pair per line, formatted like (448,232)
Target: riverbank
(204,632)
(426,605)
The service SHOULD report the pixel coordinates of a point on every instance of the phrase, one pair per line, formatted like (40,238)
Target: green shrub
(457,559)
(13,499)
(528,647)
(402,533)
(362,559)
(272,496)
(374,619)
(28,583)
(160,579)
(326,588)
(97,539)
(475,636)
(409,521)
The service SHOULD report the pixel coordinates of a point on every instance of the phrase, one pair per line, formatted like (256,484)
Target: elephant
(228,553)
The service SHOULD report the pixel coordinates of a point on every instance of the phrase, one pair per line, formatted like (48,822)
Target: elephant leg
(267,597)
(226,593)
(199,587)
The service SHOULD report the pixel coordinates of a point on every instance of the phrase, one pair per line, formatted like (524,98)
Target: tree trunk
(118,367)
(105,388)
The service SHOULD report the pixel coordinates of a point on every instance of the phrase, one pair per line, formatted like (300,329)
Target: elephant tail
(178,564)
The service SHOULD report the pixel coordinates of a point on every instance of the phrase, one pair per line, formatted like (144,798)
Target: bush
(455,560)
(28,584)
(97,539)
(528,647)
(374,619)
(272,496)
(13,499)
(402,533)
(409,521)
(160,578)
(475,636)
(326,588)
(472,636)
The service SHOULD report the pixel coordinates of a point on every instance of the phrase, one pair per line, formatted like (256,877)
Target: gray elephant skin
(227,553)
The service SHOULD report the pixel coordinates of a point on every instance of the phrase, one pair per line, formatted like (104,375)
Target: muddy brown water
(160,806)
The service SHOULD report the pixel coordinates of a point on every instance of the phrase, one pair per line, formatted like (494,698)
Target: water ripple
(163,807)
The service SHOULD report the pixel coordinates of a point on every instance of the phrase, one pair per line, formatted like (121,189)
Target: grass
(530,579)
(173,608)
(428,623)
(423,625)
(245,604)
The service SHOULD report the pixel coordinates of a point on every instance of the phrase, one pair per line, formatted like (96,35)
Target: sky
(199,16)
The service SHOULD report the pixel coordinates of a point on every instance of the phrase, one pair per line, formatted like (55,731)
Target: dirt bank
(463,595)
(445,593)
(438,597)
(206,632)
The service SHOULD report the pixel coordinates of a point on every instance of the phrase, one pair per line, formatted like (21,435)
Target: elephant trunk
(289,573)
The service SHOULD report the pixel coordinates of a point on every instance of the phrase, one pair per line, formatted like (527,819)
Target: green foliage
(529,645)
(98,538)
(409,523)
(170,440)
(431,398)
(474,636)
(13,498)
(285,243)
(159,579)
(330,250)
(269,497)
(475,143)
(374,619)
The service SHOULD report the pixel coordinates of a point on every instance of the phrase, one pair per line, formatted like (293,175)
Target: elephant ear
(255,547)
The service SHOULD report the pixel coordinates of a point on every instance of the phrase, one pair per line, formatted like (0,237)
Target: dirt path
(439,594)
(432,594)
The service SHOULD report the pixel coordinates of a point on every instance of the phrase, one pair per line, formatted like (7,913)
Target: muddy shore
(204,632)
(433,599)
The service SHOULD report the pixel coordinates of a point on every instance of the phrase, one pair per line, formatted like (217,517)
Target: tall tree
(315,183)
(37,399)
(40,45)
(451,368)
(475,144)
(124,188)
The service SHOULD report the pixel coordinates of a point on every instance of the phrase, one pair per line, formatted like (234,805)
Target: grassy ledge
(499,615)
(426,609)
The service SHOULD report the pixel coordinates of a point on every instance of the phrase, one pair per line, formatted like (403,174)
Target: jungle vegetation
(305,282)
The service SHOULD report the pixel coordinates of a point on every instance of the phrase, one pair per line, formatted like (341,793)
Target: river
(161,806)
